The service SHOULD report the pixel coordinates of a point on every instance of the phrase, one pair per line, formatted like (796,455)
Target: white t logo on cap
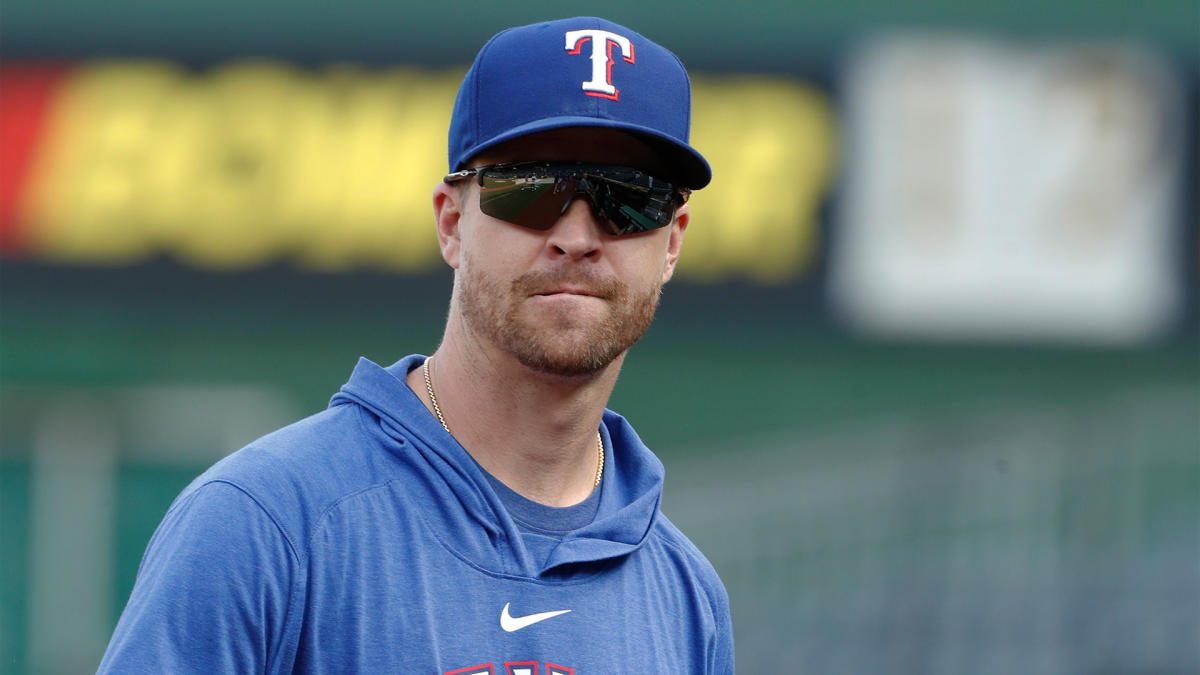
(602,58)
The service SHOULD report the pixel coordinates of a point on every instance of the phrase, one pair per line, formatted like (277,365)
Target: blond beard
(495,314)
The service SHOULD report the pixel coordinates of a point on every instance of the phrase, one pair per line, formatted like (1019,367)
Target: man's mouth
(547,285)
(568,291)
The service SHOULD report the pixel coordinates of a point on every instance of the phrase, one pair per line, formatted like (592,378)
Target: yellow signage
(259,161)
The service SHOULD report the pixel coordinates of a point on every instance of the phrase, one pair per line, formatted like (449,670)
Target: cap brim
(691,169)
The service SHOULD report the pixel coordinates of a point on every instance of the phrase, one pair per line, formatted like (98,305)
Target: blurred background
(927,384)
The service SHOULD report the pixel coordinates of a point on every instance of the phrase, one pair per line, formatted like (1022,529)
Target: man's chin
(561,361)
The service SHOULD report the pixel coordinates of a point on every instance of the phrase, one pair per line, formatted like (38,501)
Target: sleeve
(722,655)
(212,592)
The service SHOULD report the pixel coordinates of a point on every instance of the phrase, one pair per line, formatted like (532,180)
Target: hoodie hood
(464,512)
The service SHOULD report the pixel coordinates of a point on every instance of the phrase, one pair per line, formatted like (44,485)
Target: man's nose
(575,234)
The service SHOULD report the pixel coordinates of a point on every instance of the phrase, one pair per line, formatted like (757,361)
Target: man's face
(569,300)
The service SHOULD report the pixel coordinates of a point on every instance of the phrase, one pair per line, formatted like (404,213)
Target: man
(477,511)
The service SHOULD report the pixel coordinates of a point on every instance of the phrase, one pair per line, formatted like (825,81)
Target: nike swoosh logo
(514,623)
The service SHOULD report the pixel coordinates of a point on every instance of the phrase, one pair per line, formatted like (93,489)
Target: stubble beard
(562,343)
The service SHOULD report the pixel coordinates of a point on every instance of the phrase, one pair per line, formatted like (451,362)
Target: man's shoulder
(294,452)
(669,534)
(297,472)
(692,564)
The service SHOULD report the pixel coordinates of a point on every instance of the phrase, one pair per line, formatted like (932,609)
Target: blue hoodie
(366,539)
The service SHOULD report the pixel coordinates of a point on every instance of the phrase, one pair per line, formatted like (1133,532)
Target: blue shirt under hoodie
(366,539)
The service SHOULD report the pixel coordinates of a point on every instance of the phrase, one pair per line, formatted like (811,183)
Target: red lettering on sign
(28,95)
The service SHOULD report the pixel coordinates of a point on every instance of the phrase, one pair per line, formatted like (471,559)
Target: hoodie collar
(466,514)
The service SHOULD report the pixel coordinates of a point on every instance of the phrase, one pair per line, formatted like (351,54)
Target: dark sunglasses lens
(631,208)
(624,201)
(533,201)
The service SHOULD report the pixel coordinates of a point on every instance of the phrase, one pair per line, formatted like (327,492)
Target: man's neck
(534,432)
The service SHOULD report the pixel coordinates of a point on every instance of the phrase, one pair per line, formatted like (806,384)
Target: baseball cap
(578,72)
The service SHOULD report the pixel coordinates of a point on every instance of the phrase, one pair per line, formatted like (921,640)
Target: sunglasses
(536,194)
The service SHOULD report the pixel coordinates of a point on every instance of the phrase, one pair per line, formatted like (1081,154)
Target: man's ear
(447,213)
(683,215)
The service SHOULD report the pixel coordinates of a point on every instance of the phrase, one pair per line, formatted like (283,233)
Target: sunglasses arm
(458,176)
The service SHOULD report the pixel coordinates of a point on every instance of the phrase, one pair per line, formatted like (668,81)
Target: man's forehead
(577,144)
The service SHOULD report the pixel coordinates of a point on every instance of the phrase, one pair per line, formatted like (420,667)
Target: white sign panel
(993,191)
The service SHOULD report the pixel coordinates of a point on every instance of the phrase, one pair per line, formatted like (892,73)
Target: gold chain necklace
(437,410)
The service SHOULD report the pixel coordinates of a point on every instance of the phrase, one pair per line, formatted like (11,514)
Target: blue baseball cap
(580,72)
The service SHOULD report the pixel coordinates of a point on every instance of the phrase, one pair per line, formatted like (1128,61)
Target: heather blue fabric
(365,539)
(543,527)
(525,80)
